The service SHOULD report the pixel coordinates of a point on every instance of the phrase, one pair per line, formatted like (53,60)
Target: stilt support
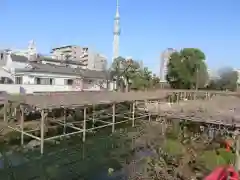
(64,121)
(113,117)
(133,114)
(84,123)
(5,111)
(93,117)
(22,125)
(43,116)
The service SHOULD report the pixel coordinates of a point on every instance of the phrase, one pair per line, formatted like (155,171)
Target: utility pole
(196,88)
(197,80)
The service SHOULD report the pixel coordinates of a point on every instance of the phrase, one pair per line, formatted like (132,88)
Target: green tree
(187,69)
(128,74)
(141,79)
(123,71)
(155,81)
(227,80)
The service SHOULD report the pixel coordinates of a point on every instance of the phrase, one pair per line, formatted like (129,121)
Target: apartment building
(87,57)
(164,59)
(70,52)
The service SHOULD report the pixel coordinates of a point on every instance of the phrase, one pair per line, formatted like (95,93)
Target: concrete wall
(58,78)
(31,88)
(28,89)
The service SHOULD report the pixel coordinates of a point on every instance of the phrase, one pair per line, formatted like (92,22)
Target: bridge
(97,110)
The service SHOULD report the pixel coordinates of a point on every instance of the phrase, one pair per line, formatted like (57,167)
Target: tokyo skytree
(116,33)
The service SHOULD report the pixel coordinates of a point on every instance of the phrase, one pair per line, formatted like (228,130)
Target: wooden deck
(74,99)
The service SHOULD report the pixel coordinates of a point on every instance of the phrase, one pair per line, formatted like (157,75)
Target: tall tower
(116,33)
(32,51)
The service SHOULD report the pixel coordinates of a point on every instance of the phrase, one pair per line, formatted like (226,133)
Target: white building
(39,74)
(76,56)
(82,55)
(165,56)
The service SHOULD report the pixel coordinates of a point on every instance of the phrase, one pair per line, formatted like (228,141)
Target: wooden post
(113,117)
(149,113)
(163,125)
(5,111)
(149,116)
(133,114)
(93,117)
(158,109)
(15,112)
(64,121)
(22,124)
(43,115)
(206,96)
(84,123)
(178,94)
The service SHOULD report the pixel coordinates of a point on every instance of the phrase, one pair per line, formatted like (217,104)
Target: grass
(173,147)
(212,160)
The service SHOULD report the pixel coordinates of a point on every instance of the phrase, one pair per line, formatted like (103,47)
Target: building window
(88,81)
(37,80)
(18,80)
(44,81)
(51,81)
(68,82)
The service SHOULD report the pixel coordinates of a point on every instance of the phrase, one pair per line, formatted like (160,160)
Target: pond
(71,159)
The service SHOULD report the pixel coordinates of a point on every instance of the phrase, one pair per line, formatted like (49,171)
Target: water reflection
(14,160)
(71,159)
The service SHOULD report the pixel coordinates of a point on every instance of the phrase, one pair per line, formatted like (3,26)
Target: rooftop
(19,58)
(62,47)
(37,66)
(76,99)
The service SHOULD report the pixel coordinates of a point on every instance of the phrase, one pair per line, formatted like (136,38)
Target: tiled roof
(50,68)
(18,58)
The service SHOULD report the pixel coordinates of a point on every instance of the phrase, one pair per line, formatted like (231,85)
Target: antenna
(117,3)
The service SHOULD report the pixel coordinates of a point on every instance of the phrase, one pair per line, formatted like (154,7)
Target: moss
(212,160)
(173,147)
(209,158)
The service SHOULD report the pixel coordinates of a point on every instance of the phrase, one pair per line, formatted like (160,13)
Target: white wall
(59,63)
(29,88)
(4,73)
(58,79)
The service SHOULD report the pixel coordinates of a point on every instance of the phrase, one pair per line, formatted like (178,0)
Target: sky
(147,27)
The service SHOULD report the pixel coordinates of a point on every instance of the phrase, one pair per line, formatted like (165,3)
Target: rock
(32,144)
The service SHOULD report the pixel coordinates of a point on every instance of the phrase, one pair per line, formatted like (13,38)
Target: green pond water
(71,159)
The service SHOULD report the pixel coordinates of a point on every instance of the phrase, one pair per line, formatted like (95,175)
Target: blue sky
(148,27)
